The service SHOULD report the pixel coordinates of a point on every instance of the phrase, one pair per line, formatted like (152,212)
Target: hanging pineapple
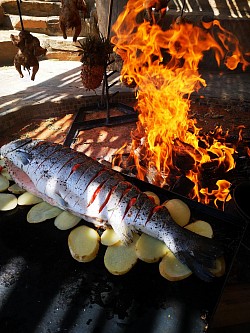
(95,51)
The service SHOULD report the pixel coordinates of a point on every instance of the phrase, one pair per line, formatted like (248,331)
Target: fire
(220,194)
(164,66)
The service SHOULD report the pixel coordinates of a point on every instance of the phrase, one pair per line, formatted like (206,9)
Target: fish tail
(199,254)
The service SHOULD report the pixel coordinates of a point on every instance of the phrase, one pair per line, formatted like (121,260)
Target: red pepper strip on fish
(76,183)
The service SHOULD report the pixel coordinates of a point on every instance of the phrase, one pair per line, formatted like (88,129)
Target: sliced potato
(2,163)
(28,199)
(7,201)
(201,227)
(84,243)
(66,220)
(172,269)
(220,267)
(6,174)
(154,197)
(16,189)
(109,237)
(179,211)
(120,258)
(150,249)
(42,212)
(4,183)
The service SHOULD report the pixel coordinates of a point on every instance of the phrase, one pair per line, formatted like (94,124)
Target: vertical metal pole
(183,7)
(110,18)
(105,74)
(19,11)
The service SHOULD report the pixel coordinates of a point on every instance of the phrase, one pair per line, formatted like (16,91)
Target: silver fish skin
(75,182)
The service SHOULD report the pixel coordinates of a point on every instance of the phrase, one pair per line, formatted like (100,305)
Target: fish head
(17,152)
(21,158)
(18,157)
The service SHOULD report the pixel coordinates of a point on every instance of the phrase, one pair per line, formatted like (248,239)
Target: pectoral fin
(23,156)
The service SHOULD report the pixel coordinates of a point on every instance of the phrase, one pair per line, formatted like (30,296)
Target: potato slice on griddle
(120,258)
(220,267)
(6,174)
(150,249)
(28,199)
(154,197)
(7,201)
(4,183)
(42,212)
(172,269)
(109,237)
(66,220)
(16,189)
(178,210)
(2,163)
(201,227)
(84,243)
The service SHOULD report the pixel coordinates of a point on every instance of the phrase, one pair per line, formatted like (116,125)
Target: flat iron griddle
(44,290)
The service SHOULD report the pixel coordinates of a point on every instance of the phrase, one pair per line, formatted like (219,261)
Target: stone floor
(60,79)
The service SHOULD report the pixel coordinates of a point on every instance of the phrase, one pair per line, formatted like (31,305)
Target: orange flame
(221,194)
(164,66)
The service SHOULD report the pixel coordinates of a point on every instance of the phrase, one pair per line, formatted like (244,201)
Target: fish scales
(93,211)
(78,171)
(52,182)
(102,195)
(91,186)
(134,210)
(48,168)
(41,148)
(86,178)
(114,199)
(51,165)
(64,173)
(143,214)
(77,183)
(118,213)
(45,157)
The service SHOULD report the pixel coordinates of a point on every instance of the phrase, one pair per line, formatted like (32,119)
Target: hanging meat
(29,50)
(70,16)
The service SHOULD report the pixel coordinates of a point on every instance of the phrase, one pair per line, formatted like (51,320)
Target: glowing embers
(164,64)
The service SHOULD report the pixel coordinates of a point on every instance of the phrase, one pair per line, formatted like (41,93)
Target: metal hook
(20,14)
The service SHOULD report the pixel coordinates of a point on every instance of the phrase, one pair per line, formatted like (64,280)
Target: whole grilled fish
(77,183)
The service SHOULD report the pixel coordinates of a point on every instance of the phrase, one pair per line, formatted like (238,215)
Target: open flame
(164,66)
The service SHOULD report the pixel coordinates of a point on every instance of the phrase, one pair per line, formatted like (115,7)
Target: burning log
(166,142)
(184,155)
(183,186)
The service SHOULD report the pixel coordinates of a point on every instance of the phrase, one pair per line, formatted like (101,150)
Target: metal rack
(80,123)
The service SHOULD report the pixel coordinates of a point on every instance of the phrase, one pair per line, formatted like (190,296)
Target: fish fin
(60,200)
(23,156)
(123,231)
(199,254)
(56,196)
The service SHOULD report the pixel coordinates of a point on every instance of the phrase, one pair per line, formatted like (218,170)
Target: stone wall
(38,18)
